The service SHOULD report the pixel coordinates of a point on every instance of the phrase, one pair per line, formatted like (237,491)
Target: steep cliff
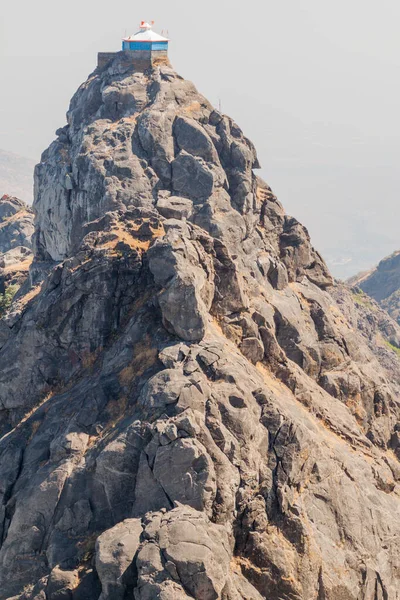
(189,407)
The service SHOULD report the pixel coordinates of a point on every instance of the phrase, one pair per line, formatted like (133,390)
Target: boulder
(195,553)
(193,139)
(192,176)
(174,207)
(115,553)
(253,349)
(61,584)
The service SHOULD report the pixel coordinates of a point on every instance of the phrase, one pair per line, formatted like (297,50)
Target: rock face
(383,284)
(189,407)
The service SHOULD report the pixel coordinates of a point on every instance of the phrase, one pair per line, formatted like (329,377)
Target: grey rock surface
(115,552)
(190,407)
(174,207)
(185,552)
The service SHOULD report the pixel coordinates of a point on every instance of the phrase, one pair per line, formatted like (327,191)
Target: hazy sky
(314,83)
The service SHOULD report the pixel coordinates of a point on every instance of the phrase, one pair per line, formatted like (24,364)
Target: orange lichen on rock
(138,236)
(18,267)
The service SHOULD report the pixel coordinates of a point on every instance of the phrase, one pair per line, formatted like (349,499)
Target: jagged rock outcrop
(383,284)
(189,406)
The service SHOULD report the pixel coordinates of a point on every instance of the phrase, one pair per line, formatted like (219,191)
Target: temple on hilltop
(146,39)
(142,49)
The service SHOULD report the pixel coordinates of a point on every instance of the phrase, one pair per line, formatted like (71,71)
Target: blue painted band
(144,45)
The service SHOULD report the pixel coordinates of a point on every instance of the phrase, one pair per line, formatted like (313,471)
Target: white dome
(146,34)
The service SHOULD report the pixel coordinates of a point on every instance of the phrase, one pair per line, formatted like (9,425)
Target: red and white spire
(146,34)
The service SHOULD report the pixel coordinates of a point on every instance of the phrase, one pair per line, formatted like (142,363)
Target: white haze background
(314,83)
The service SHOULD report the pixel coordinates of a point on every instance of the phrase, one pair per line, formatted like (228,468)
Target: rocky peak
(189,406)
(149,140)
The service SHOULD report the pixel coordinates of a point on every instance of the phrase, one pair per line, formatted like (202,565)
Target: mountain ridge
(382,283)
(190,407)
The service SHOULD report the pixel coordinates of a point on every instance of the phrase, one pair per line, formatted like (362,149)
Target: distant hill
(16,230)
(383,284)
(16,176)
